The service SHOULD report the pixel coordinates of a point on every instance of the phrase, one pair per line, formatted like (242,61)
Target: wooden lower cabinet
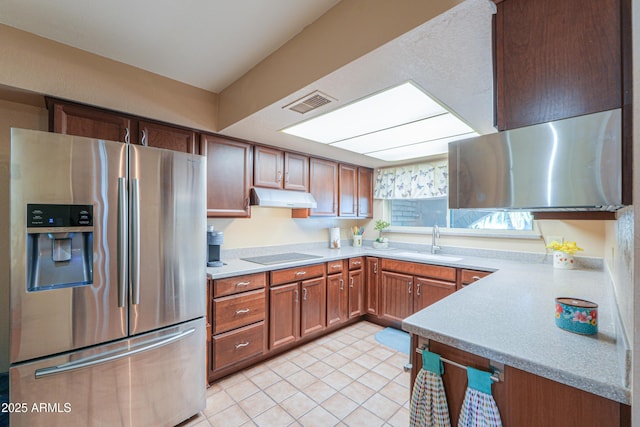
(236,321)
(372,280)
(525,399)
(356,293)
(429,291)
(313,314)
(395,296)
(403,294)
(467,277)
(296,310)
(337,300)
(238,345)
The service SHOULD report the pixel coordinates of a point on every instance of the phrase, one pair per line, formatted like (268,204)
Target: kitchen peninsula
(507,317)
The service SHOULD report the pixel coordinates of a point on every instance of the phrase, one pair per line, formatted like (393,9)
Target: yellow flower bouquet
(567,247)
(563,254)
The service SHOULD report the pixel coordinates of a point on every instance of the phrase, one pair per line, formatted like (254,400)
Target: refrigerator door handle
(122,242)
(85,363)
(135,241)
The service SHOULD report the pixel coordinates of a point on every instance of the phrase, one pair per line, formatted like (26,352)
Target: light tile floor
(345,378)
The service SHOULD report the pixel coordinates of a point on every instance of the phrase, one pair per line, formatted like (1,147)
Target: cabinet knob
(279,176)
(335,266)
(295,293)
(300,273)
(351,282)
(418,289)
(144,138)
(242,344)
(243,311)
(286,177)
(304,294)
(239,284)
(127,135)
(356,263)
(410,286)
(342,284)
(476,278)
(375,268)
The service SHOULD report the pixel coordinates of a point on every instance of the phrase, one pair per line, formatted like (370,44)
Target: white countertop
(508,316)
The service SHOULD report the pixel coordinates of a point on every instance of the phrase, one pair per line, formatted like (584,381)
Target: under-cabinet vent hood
(281,198)
(572,164)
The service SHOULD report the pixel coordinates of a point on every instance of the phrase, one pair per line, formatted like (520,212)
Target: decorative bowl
(577,315)
(380,245)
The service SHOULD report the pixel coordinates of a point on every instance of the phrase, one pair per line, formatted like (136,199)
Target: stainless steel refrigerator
(108,255)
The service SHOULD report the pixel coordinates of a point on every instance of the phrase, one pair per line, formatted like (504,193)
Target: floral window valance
(419,181)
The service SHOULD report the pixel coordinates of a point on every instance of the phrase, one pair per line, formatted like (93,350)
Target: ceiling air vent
(309,102)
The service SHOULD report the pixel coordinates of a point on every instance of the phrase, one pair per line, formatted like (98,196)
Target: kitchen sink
(428,257)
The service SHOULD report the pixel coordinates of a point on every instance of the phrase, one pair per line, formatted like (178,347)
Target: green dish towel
(428,400)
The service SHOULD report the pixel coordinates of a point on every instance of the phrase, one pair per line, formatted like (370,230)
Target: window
(427,212)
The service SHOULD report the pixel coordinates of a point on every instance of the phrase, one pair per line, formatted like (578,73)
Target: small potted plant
(381,242)
(563,254)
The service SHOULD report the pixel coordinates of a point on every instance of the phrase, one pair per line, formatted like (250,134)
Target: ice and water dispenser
(59,246)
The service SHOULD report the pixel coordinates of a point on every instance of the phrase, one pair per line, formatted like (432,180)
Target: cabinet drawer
(298,273)
(425,270)
(334,267)
(238,310)
(238,345)
(355,263)
(233,285)
(470,276)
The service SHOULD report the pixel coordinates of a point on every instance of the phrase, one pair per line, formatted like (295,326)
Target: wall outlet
(558,239)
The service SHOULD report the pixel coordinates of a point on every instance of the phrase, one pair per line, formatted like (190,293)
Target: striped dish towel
(479,409)
(428,400)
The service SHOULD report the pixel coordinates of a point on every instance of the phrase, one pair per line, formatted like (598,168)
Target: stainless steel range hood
(572,164)
(281,198)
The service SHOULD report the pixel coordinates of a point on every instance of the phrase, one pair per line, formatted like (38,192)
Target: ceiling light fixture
(381,124)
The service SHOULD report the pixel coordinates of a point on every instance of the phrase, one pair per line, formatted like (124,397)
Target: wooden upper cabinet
(296,172)
(82,120)
(229,175)
(323,186)
(172,138)
(282,170)
(556,59)
(365,192)
(268,167)
(348,190)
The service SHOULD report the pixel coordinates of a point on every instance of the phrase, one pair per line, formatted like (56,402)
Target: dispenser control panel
(39,215)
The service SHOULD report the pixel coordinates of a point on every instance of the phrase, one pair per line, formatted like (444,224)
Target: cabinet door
(365,192)
(90,122)
(356,293)
(313,309)
(284,314)
(209,313)
(296,172)
(228,176)
(337,297)
(348,190)
(372,281)
(428,291)
(395,296)
(267,167)
(323,184)
(556,59)
(169,137)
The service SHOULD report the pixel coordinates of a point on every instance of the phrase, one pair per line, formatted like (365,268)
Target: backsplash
(621,268)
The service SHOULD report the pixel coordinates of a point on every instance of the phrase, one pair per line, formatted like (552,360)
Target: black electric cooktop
(280,258)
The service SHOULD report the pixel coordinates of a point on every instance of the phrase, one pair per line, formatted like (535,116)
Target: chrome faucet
(435,234)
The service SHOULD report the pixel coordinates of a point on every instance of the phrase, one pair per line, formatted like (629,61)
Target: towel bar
(496,373)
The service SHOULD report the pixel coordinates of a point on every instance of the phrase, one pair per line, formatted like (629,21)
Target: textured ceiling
(204,43)
(211,43)
(449,57)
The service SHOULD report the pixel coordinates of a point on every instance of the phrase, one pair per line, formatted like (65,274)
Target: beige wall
(46,67)
(346,32)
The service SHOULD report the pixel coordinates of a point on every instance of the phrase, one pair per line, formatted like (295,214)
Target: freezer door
(167,237)
(155,379)
(48,168)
